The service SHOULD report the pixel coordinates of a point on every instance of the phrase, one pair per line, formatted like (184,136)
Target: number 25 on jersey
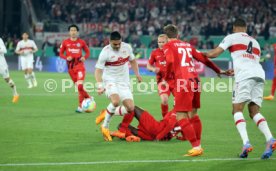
(186,62)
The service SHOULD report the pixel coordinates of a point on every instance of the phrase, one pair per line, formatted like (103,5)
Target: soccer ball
(88,105)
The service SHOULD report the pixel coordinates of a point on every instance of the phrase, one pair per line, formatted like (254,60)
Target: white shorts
(27,62)
(122,89)
(4,71)
(249,90)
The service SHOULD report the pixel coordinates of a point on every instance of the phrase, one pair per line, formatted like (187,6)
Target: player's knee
(253,109)
(115,103)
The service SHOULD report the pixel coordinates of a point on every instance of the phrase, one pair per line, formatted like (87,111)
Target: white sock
(32,76)
(12,85)
(262,125)
(121,110)
(28,79)
(110,111)
(241,126)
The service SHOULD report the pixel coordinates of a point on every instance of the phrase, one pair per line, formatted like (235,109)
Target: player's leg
(13,87)
(194,117)
(80,76)
(241,95)
(24,66)
(129,105)
(183,105)
(273,88)
(30,65)
(254,111)
(109,112)
(164,93)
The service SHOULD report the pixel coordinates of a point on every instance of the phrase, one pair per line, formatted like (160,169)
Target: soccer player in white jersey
(112,77)
(5,72)
(25,49)
(249,84)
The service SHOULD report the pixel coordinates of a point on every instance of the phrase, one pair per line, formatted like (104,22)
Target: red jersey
(74,49)
(179,56)
(157,58)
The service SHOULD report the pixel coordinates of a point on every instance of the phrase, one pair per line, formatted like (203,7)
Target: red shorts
(186,99)
(163,89)
(148,127)
(77,74)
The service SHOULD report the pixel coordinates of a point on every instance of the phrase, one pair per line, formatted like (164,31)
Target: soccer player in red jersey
(273,87)
(179,57)
(149,128)
(73,47)
(157,64)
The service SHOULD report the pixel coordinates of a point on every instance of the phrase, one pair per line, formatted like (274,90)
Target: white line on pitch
(127,161)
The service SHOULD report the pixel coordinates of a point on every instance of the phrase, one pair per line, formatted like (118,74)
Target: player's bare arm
(134,66)
(214,53)
(99,81)
(152,68)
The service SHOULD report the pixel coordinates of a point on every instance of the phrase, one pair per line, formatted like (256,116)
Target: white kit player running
(249,84)
(112,77)
(5,72)
(25,49)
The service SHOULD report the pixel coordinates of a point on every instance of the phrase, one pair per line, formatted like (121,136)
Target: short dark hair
(171,31)
(72,26)
(115,35)
(239,23)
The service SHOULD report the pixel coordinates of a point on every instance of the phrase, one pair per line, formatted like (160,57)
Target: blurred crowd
(197,17)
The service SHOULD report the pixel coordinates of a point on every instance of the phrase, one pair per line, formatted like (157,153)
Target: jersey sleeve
(131,54)
(152,58)
(203,59)
(226,42)
(62,49)
(3,49)
(86,49)
(169,61)
(34,45)
(17,46)
(102,59)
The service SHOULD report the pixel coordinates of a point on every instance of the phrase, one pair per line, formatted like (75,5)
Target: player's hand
(229,72)
(100,88)
(82,59)
(69,58)
(156,70)
(21,52)
(100,91)
(139,78)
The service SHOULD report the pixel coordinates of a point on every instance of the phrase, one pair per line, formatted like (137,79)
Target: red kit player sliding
(73,47)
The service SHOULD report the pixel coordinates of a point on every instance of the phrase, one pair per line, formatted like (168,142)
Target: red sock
(126,121)
(82,91)
(164,109)
(81,98)
(189,131)
(273,86)
(196,122)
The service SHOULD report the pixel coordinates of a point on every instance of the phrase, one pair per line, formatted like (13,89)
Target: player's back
(180,54)
(245,52)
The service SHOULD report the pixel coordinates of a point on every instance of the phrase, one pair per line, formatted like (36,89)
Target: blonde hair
(163,35)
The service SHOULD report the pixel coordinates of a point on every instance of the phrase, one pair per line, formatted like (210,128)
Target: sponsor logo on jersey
(73,50)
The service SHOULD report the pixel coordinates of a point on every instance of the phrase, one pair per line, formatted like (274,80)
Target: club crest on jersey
(78,45)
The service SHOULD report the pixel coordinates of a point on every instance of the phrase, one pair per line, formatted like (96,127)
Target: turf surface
(42,132)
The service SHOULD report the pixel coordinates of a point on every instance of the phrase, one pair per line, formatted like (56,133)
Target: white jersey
(3,50)
(115,63)
(245,52)
(26,47)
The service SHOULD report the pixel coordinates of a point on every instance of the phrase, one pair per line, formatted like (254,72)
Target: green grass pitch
(43,129)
